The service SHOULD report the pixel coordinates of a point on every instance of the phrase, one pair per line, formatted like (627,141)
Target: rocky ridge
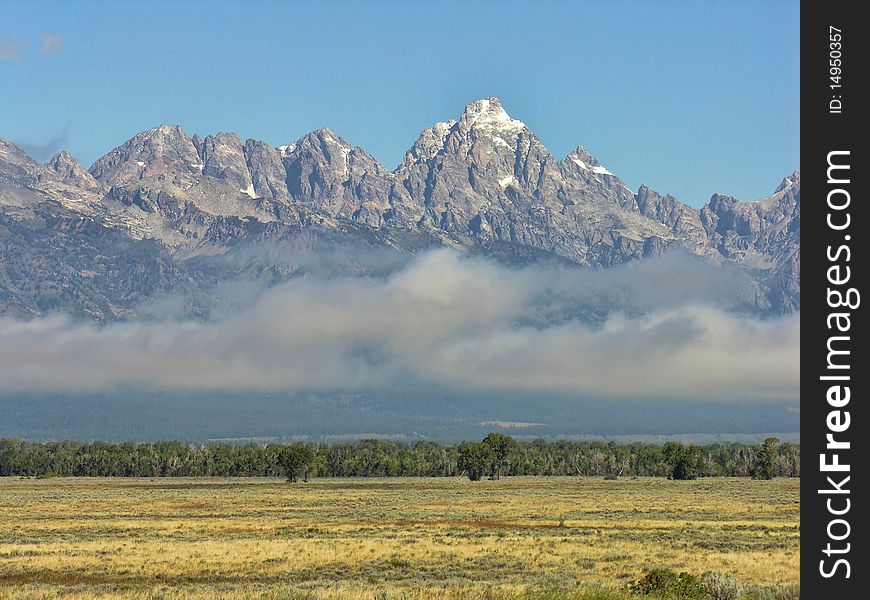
(483,181)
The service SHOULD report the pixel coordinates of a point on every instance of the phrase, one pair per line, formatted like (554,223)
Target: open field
(382,538)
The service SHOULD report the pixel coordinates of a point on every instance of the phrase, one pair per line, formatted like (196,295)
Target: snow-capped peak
(329,135)
(442,128)
(163,131)
(286,149)
(489,113)
(586,161)
(430,142)
(579,163)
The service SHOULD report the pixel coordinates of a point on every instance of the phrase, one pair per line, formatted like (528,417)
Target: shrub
(791,592)
(722,586)
(667,584)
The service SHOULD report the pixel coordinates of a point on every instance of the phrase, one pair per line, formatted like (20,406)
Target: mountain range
(168,214)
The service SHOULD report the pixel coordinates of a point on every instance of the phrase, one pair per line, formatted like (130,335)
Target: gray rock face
(223,158)
(267,171)
(163,185)
(52,259)
(762,235)
(65,169)
(684,221)
(16,168)
(329,175)
(583,179)
(488,176)
(163,150)
(483,182)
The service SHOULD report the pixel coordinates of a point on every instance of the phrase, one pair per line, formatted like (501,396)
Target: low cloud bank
(441,318)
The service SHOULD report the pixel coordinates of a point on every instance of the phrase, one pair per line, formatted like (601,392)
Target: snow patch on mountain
(499,141)
(489,114)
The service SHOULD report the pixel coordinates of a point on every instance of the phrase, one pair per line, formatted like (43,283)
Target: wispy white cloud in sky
(51,43)
(10,48)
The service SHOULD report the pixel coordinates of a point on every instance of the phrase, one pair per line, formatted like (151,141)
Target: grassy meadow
(416,538)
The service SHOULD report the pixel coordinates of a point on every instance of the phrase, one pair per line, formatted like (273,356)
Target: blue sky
(688,97)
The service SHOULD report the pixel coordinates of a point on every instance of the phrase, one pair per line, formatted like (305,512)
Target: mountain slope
(175,205)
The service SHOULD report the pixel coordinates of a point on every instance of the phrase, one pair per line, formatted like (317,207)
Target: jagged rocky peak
(197,143)
(266,169)
(648,199)
(64,168)
(158,151)
(793,180)
(683,220)
(482,178)
(580,153)
(733,225)
(720,203)
(324,142)
(328,173)
(488,113)
(430,142)
(10,153)
(16,167)
(223,158)
(581,159)
(485,135)
(442,128)
(582,179)
(325,150)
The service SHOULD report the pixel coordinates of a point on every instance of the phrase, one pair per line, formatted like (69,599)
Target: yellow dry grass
(354,538)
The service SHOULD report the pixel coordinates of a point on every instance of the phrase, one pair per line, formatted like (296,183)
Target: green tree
(766,460)
(296,460)
(474,459)
(686,462)
(498,455)
(500,448)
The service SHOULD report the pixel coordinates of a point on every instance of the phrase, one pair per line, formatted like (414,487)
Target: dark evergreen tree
(687,462)
(766,461)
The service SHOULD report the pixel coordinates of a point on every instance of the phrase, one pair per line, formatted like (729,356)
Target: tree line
(497,455)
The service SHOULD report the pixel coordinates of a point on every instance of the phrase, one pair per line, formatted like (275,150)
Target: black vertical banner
(834,429)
